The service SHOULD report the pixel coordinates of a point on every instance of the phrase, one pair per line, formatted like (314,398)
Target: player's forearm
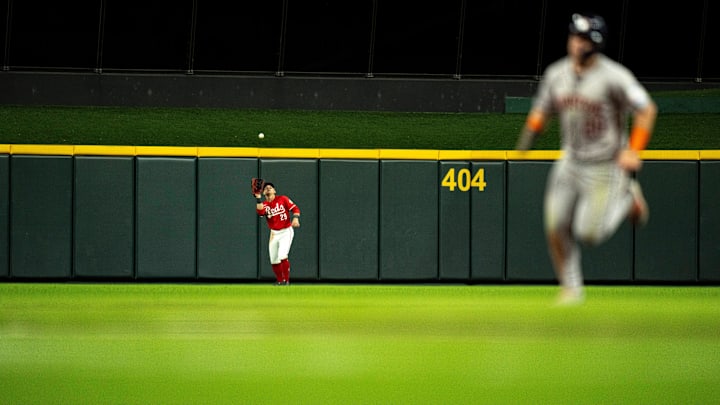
(533,127)
(642,127)
(640,134)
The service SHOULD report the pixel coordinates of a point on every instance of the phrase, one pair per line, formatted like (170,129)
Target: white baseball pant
(280,243)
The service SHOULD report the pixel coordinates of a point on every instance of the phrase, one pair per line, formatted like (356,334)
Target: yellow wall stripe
(409,154)
(533,155)
(372,154)
(105,150)
(710,154)
(42,149)
(670,154)
(228,152)
(289,153)
(311,153)
(166,151)
(488,155)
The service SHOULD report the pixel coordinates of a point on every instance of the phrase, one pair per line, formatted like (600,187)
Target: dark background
(434,38)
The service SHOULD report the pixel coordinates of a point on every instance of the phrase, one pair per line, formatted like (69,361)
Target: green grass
(356,344)
(307,129)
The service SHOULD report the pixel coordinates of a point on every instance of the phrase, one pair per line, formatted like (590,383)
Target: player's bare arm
(643,125)
(534,125)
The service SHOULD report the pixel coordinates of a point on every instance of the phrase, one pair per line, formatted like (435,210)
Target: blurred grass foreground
(356,344)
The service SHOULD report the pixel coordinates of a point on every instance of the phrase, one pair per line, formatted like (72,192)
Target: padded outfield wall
(185,213)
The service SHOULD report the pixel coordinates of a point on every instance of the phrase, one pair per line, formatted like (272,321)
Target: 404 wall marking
(464,180)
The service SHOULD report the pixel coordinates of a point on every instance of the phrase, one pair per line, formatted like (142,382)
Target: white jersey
(593,107)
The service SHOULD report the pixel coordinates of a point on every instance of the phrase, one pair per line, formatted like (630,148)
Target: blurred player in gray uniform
(590,190)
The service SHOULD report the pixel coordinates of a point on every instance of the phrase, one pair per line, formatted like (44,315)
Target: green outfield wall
(186,213)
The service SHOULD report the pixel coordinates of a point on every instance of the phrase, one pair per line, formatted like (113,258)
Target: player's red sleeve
(291,206)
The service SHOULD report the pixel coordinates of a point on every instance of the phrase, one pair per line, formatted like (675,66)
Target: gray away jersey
(593,108)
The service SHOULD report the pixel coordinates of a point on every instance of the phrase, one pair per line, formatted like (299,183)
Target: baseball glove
(257,185)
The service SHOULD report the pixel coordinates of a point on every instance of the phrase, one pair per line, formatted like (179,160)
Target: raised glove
(257,185)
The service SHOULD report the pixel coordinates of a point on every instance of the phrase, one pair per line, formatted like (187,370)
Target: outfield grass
(308,129)
(356,344)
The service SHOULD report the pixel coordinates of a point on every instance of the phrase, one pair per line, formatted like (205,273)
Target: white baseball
(261,135)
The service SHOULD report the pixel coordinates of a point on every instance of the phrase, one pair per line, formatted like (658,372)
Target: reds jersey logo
(277,212)
(278,209)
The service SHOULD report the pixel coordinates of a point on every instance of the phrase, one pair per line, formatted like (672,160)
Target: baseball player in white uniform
(590,189)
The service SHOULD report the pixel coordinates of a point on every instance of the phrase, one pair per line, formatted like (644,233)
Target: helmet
(591,27)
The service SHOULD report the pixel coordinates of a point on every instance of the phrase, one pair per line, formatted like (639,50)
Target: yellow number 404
(464,180)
